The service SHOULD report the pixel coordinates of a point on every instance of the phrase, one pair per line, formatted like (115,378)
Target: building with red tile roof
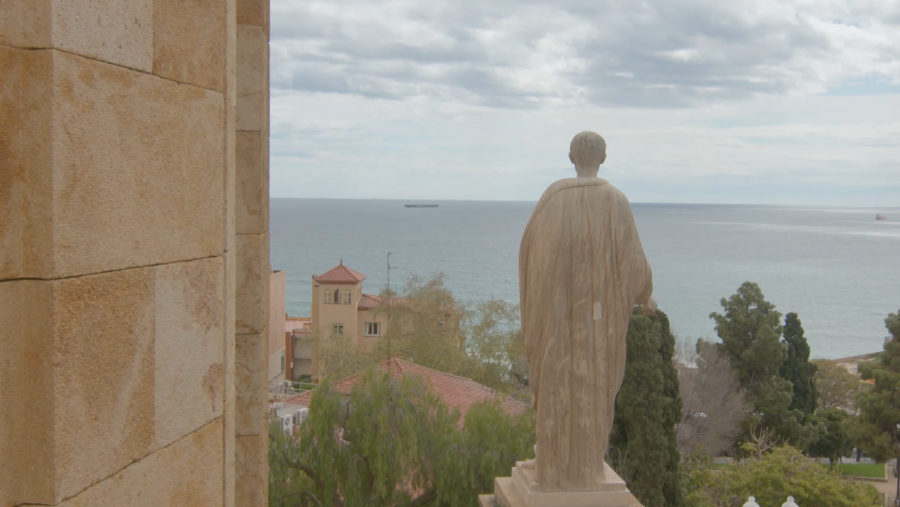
(340,275)
(339,308)
(456,392)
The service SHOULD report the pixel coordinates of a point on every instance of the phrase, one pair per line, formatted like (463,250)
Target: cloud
(760,101)
(530,54)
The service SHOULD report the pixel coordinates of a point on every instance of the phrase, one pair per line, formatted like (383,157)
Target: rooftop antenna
(389,268)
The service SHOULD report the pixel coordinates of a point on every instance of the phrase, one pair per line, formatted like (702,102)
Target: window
(327,297)
(282,360)
(347,297)
(373,329)
(337,330)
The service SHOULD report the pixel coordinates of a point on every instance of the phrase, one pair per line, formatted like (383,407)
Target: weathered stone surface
(252,283)
(582,270)
(25,23)
(187,473)
(251,385)
(230,179)
(103,366)
(114,31)
(251,211)
(251,470)
(189,364)
(253,12)
(25,161)
(139,177)
(189,42)
(230,396)
(26,393)
(252,110)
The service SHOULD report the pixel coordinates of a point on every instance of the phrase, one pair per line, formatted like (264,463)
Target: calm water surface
(837,268)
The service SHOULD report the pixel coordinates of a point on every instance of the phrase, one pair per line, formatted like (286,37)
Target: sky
(700,101)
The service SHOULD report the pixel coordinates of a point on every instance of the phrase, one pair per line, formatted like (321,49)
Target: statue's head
(587,151)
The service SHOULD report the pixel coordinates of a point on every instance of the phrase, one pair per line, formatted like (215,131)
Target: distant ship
(421,205)
(880,217)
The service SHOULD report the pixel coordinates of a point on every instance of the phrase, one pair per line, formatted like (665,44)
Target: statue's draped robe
(581,271)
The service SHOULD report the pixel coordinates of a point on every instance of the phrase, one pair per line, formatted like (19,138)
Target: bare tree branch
(424,498)
(299,465)
(714,403)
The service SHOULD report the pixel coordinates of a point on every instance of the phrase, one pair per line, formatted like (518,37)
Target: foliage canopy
(393,443)
(642,447)
(797,369)
(771,477)
(878,428)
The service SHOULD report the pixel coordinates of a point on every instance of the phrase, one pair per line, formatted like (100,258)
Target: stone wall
(134,262)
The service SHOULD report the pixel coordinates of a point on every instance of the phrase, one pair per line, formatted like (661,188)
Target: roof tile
(456,392)
(340,274)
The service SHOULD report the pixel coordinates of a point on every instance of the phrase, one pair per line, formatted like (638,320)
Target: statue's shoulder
(597,184)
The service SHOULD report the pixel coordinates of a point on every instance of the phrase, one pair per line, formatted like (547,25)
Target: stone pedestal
(520,490)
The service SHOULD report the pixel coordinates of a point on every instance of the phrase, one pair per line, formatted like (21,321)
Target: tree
(424,326)
(771,477)
(835,385)
(393,443)
(750,331)
(431,328)
(642,447)
(835,441)
(878,428)
(493,337)
(796,368)
(714,405)
(338,356)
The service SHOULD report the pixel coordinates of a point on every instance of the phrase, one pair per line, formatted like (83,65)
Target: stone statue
(581,271)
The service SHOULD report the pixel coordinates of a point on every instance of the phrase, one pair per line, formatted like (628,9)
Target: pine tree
(751,335)
(643,448)
(796,368)
(877,430)
(751,330)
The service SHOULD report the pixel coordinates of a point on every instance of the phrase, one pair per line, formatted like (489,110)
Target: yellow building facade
(341,309)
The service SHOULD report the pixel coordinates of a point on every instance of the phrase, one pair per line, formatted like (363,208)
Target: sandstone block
(252,283)
(230,179)
(189,42)
(26,392)
(252,113)
(114,31)
(139,169)
(189,364)
(25,23)
(187,473)
(251,210)
(25,163)
(103,366)
(251,470)
(253,12)
(230,396)
(251,384)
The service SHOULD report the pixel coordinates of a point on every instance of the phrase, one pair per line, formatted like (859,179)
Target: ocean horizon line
(807,207)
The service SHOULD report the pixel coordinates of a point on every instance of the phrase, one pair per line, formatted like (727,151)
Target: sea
(837,268)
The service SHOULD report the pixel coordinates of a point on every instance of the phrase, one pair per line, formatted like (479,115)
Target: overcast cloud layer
(700,101)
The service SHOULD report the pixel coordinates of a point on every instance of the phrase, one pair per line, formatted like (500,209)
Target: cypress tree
(643,448)
(796,368)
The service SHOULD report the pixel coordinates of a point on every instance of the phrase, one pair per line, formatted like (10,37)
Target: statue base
(520,490)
